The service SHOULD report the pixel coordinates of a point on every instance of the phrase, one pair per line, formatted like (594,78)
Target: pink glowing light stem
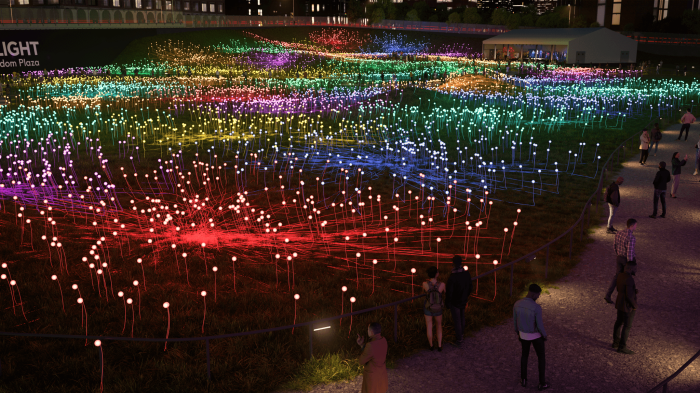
(55,277)
(166,305)
(296,297)
(204,298)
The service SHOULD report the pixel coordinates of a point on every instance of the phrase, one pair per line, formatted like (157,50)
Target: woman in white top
(644,146)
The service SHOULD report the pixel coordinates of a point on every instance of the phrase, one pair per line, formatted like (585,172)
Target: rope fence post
(208,362)
(311,341)
(396,323)
(512,270)
(571,242)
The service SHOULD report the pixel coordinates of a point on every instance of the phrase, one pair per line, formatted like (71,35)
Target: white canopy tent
(573,46)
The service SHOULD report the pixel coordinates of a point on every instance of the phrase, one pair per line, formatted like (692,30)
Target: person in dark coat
(676,165)
(626,305)
(660,183)
(374,376)
(612,197)
(459,287)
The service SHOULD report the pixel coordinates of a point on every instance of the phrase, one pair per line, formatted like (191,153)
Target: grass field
(256,290)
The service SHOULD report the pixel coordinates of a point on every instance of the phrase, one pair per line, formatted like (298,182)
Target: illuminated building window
(617,6)
(260,13)
(250,12)
(600,17)
(169,5)
(212,8)
(393,1)
(115,3)
(660,9)
(204,7)
(138,4)
(185,5)
(444,1)
(221,8)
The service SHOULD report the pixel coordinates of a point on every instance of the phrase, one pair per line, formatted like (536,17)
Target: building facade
(186,6)
(287,7)
(635,14)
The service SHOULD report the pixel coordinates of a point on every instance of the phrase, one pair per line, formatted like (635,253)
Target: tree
(412,15)
(356,10)
(595,24)
(513,21)
(471,16)
(377,16)
(528,16)
(422,9)
(433,18)
(454,18)
(691,21)
(500,16)
(552,20)
(579,21)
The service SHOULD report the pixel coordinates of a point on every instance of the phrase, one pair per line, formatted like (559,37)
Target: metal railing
(310,324)
(33,18)
(664,384)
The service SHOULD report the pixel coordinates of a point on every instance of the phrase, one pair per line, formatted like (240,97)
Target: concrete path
(666,330)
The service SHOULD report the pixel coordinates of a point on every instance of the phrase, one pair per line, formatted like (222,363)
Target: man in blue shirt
(527,316)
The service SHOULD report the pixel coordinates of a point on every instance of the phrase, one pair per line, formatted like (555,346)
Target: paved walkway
(666,330)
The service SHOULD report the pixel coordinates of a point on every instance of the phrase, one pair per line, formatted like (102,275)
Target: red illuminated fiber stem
(166,305)
(215,269)
(133,316)
(204,298)
(55,277)
(121,295)
(296,297)
(233,263)
(342,302)
(98,344)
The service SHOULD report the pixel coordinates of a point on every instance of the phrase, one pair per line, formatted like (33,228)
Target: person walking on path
(676,165)
(660,183)
(374,376)
(656,135)
(527,316)
(624,252)
(686,120)
(459,287)
(644,140)
(612,197)
(697,158)
(626,305)
(434,305)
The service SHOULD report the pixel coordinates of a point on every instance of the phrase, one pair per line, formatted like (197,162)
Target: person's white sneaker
(695,173)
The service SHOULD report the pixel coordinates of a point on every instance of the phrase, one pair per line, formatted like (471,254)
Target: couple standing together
(527,315)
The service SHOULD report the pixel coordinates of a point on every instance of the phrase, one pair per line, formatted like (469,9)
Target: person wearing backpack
(459,287)
(434,305)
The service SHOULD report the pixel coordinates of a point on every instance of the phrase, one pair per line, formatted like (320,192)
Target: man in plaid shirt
(624,252)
